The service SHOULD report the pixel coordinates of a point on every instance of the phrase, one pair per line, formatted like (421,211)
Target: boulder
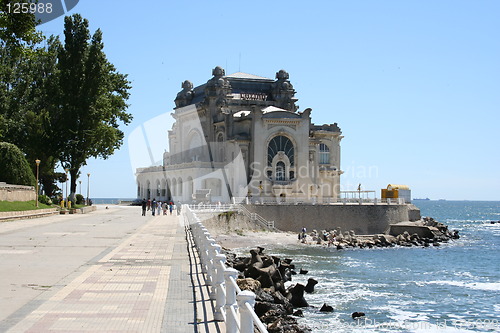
(309,288)
(249,284)
(297,296)
(357,315)
(326,308)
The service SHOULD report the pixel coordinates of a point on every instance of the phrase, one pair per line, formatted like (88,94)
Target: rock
(297,298)
(249,284)
(309,288)
(326,308)
(303,271)
(264,296)
(298,313)
(357,315)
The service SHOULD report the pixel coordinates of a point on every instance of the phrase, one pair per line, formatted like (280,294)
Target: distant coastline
(110,201)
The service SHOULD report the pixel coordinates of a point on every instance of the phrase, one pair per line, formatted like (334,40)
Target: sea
(451,288)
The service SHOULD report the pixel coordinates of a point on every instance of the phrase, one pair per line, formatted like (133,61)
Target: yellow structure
(394,191)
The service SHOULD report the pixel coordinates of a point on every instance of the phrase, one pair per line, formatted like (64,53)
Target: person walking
(178,206)
(153,206)
(158,205)
(171,207)
(144,204)
(149,204)
(164,207)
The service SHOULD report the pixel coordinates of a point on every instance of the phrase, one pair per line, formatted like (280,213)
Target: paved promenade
(108,271)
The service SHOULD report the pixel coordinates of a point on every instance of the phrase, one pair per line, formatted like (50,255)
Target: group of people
(157,207)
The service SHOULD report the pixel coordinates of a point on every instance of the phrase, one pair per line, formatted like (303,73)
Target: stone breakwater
(425,232)
(265,275)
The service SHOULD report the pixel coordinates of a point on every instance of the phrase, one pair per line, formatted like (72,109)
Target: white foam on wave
(489,286)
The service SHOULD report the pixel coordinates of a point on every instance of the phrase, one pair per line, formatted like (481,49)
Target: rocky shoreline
(425,232)
(265,275)
(279,307)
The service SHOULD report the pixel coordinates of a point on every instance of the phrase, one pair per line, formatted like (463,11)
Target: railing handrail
(232,305)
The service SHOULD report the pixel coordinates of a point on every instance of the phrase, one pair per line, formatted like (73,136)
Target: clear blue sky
(414,85)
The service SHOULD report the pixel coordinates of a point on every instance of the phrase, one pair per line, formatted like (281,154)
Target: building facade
(242,136)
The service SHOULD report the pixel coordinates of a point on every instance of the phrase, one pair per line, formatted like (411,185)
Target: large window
(324,154)
(280,171)
(280,143)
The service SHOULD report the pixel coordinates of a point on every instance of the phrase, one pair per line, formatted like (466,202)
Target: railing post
(231,321)
(220,298)
(209,259)
(246,320)
(213,251)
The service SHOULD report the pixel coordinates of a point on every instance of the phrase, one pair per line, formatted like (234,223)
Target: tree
(14,169)
(17,30)
(92,99)
(29,100)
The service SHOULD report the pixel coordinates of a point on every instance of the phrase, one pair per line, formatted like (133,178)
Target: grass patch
(78,206)
(227,215)
(15,206)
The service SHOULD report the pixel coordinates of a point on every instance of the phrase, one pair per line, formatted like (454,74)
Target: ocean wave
(489,286)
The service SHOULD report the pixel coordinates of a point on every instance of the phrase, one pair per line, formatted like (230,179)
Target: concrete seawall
(363,219)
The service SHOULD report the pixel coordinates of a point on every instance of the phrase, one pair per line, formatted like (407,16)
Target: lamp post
(66,182)
(37,168)
(80,186)
(88,187)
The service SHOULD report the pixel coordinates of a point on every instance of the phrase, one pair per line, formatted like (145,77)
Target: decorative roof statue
(218,87)
(185,96)
(283,91)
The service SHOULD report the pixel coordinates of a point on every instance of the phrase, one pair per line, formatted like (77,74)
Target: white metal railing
(321,201)
(214,208)
(233,306)
(256,217)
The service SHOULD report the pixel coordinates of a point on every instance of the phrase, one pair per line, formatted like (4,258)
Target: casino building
(242,136)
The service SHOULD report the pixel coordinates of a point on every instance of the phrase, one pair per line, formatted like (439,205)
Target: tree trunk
(72,190)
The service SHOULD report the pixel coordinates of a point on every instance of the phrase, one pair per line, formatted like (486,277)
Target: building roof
(241,75)
(272,109)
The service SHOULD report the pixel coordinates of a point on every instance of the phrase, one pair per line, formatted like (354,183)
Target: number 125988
(32,8)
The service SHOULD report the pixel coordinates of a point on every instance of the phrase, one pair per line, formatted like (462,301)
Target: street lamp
(88,187)
(66,181)
(80,186)
(37,168)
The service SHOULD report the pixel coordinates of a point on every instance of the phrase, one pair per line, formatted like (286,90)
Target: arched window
(195,147)
(220,147)
(280,171)
(324,154)
(280,143)
(158,189)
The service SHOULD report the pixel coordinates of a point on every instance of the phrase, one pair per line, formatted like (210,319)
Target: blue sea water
(451,288)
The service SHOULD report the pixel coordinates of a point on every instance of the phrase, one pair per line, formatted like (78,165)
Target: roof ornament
(218,88)
(185,96)
(283,92)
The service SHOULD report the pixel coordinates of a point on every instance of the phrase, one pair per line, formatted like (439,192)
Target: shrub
(45,200)
(79,199)
(14,169)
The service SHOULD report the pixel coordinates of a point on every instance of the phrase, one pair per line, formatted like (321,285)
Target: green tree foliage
(92,99)
(17,30)
(29,98)
(14,169)
(59,103)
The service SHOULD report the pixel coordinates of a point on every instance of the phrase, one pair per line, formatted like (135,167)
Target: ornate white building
(239,136)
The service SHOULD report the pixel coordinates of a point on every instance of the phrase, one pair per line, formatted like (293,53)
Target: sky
(414,85)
